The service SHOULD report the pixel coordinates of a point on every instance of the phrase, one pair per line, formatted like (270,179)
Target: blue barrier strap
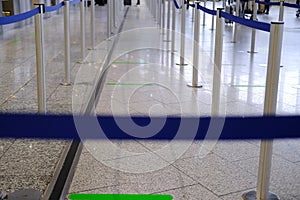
(268,3)
(176,5)
(19,17)
(74,2)
(250,23)
(211,12)
(53,8)
(63,127)
(192,5)
(291,5)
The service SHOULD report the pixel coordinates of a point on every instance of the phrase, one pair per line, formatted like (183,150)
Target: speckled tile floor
(144,80)
(31,163)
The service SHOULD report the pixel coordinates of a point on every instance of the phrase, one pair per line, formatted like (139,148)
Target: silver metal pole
(173,28)
(93,23)
(237,13)
(159,14)
(82,28)
(217,64)
(168,21)
(274,59)
(281,10)
(182,36)
(164,14)
(108,18)
(67,43)
(265,161)
(193,11)
(196,48)
(213,17)
(114,12)
(253,36)
(40,68)
(204,13)
(157,11)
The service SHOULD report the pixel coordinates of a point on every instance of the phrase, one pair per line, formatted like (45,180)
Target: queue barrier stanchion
(40,57)
(108,18)
(82,30)
(194,83)
(67,42)
(173,28)
(168,21)
(265,161)
(159,13)
(163,14)
(40,65)
(204,13)
(93,24)
(281,10)
(157,10)
(217,63)
(193,11)
(213,17)
(253,34)
(182,35)
(237,13)
(114,13)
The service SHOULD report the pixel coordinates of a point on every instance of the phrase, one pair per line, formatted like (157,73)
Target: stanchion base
(184,64)
(194,86)
(252,51)
(65,84)
(251,195)
(81,62)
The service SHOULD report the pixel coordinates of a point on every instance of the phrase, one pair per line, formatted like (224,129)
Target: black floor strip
(64,173)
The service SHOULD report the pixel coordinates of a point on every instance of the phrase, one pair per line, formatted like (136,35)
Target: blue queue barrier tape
(53,8)
(19,17)
(209,11)
(292,5)
(192,5)
(176,5)
(268,3)
(74,2)
(63,127)
(250,23)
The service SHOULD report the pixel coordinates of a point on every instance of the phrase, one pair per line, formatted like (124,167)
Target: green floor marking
(247,85)
(15,41)
(128,84)
(119,197)
(130,63)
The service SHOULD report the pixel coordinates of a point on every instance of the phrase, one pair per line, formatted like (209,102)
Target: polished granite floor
(143,79)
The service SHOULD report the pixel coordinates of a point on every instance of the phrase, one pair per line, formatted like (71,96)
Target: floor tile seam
(194,179)
(96,188)
(8,148)
(284,158)
(175,188)
(15,92)
(21,64)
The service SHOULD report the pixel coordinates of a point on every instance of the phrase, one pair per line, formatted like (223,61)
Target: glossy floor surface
(143,79)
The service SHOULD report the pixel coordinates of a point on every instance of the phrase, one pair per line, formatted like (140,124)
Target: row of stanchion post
(274,58)
(39,39)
